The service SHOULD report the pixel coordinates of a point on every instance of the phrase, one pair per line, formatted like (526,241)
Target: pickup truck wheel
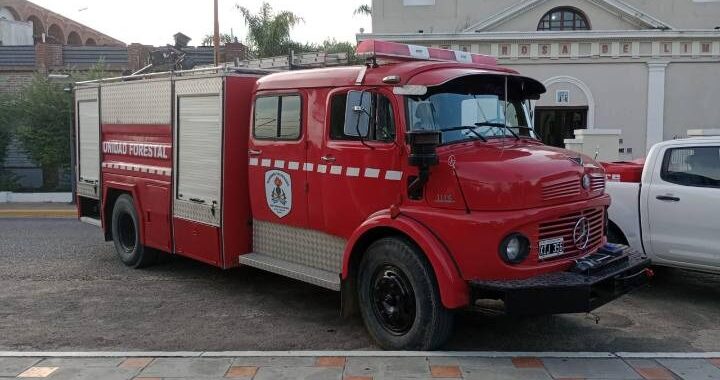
(126,235)
(615,236)
(399,300)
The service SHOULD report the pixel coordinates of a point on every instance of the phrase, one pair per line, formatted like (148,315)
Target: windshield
(468,114)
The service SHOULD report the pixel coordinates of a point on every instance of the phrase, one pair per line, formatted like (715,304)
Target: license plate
(551,248)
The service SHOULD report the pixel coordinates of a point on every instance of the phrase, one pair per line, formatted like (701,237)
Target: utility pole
(216,37)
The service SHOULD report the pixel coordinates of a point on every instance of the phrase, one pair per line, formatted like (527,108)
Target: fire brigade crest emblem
(278,192)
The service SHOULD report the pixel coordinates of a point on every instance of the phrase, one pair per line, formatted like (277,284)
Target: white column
(656,102)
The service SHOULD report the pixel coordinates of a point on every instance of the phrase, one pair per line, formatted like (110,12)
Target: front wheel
(126,235)
(399,300)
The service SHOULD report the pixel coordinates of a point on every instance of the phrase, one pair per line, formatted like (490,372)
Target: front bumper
(568,292)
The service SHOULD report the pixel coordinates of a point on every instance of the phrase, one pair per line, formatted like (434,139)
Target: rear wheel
(126,235)
(399,300)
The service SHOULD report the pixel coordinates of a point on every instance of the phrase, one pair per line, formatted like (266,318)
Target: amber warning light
(402,52)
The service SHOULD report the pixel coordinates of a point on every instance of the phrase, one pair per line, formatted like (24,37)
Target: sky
(154,22)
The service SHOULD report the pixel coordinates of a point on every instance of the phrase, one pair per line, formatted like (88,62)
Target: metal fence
(17,55)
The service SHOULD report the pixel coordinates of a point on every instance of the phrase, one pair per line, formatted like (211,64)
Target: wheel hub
(126,227)
(393,300)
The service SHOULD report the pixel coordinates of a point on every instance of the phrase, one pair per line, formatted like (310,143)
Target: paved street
(359,368)
(63,289)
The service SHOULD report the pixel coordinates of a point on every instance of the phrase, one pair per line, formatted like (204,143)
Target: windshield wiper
(499,125)
(470,128)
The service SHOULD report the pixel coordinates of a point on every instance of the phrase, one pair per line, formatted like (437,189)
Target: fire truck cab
(415,185)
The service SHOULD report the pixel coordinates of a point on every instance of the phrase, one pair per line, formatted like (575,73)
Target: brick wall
(234,50)
(14,81)
(48,56)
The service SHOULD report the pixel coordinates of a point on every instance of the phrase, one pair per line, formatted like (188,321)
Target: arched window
(74,39)
(564,18)
(38,27)
(56,34)
(9,13)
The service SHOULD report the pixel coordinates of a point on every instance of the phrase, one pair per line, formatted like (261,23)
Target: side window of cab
(692,166)
(277,117)
(357,115)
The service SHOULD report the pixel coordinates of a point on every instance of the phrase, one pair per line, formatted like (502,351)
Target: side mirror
(423,155)
(357,114)
(423,147)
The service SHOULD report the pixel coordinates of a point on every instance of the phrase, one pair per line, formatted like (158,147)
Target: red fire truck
(414,185)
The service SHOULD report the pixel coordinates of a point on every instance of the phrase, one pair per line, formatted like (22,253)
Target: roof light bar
(403,52)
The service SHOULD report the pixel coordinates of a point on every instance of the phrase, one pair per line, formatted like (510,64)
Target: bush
(44,127)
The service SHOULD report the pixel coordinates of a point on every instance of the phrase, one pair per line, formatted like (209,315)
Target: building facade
(47,26)
(650,68)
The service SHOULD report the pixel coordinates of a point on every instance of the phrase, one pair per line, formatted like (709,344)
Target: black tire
(126,235)
(615,236)
(399,298)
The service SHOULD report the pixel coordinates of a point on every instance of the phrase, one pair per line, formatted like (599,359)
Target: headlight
(514,248)
(585,182)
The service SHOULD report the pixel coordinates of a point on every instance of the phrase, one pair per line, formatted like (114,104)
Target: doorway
(557,124)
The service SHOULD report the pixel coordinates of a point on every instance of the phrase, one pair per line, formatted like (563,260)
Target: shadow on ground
(63,289)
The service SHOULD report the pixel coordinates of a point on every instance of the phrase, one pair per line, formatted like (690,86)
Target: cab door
(277,155)
(356,174)
(683,202)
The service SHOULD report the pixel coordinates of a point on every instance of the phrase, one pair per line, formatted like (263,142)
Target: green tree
(96,71)
(269,32)
(44,126)
(224,39)
(364,10)
(8,120)
(333,46)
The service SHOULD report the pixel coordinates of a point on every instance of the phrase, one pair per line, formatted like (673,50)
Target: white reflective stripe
(372,173)
(138,168)
(391,175)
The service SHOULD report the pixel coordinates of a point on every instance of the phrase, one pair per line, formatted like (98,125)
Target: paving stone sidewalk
(357,368)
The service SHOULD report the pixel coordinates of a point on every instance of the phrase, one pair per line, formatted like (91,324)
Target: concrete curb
(9,197)
(38,213)
(474,354)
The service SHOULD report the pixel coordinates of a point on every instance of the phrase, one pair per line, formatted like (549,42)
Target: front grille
(597,183)
(561,190)
(565,225)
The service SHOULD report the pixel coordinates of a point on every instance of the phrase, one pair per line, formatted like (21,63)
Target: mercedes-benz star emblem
(581,233)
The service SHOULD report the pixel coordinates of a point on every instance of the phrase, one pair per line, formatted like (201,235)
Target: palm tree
(363,10)
(269,33)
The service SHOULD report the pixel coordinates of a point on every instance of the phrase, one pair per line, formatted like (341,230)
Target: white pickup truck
(669,207)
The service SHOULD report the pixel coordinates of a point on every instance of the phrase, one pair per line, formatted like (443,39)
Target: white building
(14,32)
(650,68)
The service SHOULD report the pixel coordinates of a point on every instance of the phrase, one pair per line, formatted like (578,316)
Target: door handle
(254,152)
(328,158)
(668,198)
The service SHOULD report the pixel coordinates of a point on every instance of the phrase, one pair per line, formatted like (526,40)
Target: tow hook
(649,273)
